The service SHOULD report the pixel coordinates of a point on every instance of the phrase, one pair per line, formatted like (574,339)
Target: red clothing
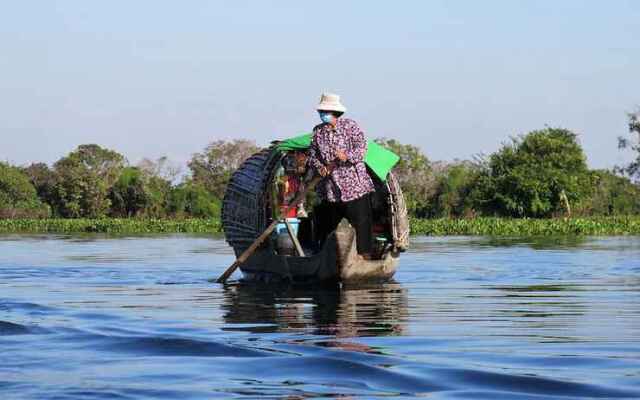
(288,193)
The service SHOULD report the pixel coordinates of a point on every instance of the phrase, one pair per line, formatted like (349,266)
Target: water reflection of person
(379,310)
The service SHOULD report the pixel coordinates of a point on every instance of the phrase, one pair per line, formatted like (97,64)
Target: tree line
(94,182)
(541,174)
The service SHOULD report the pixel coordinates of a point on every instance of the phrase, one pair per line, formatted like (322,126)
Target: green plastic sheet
(379,159)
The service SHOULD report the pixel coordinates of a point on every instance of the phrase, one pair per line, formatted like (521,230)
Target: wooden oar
(294,239)
(248,252)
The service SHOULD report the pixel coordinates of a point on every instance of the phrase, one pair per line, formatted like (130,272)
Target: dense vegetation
(111,225)
(527,226)
(18,197)
(540,174)
(624,225)
(93,182)
(536,175)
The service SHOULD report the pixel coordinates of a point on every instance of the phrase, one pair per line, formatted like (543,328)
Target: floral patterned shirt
(349,180)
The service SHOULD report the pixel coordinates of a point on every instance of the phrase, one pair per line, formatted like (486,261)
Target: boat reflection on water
(377,310)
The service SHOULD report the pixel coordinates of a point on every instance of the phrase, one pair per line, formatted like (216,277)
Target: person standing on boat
(337,151)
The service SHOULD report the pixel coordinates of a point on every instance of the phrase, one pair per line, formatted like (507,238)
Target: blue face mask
(326,117)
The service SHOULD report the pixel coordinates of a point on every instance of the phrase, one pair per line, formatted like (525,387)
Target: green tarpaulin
(379,159)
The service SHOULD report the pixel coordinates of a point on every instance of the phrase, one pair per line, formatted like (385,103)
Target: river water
(97,317)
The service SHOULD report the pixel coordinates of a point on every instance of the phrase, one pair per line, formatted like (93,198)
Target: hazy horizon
(150,78)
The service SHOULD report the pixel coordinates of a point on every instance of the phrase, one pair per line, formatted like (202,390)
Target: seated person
(291,183)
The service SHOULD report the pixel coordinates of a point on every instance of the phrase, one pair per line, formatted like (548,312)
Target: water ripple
(99,317)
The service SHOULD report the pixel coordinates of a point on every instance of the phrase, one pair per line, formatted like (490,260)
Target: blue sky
(456,78)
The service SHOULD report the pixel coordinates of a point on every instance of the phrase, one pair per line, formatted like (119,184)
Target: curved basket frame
(246,207)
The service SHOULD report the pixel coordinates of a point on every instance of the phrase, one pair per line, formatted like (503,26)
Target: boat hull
(248,209)
(337,262)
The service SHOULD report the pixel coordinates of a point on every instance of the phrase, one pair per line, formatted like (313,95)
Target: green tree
(633,168)
(415,175)
(213,167)
(529,176)
(453,188)
(84,177)
(158,178)
(128,195)
(18,197)
(613,195)
(44,180)
(192,199)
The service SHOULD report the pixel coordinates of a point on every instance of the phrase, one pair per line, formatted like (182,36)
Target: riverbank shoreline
(591,226)
(485,226)
(110,225)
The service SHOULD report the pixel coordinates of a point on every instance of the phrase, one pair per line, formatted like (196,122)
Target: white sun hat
(330,102)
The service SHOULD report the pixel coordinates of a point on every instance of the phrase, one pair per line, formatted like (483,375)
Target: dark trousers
(357,212)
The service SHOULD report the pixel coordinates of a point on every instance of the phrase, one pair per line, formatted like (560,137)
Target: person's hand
(323,171)
(341,155)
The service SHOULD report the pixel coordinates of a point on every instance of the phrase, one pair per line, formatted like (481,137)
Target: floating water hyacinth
(111,225)
(622,225)
(627,225)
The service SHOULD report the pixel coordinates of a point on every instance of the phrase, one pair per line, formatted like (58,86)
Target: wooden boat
(248,209)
